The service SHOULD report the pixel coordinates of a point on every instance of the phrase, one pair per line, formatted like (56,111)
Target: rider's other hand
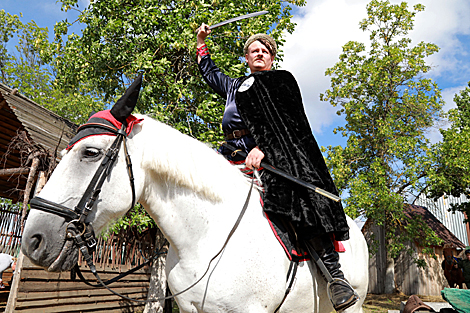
(254,158)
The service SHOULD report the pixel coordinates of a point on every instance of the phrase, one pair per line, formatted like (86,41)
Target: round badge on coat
(246,84)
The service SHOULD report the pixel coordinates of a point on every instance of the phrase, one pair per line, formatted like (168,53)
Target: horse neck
(190,201)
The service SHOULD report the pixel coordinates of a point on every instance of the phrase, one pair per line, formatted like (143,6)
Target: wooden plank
(117,306)
(28,265)
(26,296)
(14,287)
(28,275)
(31,286)
(40,273)
(11,125)
(78,301)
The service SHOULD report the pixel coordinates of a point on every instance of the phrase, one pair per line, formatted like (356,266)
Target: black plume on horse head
(126,104)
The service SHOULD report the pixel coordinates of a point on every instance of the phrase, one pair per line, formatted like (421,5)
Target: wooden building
(30,144)
(28,125)
(409,278)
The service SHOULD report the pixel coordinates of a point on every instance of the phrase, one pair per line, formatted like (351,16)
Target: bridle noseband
(81,231)
(78,228)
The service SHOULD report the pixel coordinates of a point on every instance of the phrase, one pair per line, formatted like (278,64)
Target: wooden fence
(36,290)
(10,228)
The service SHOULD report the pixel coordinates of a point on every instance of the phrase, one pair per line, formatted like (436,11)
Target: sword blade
(241,17)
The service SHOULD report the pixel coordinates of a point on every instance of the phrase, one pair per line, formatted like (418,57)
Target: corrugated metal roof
(45,127)
(452,220)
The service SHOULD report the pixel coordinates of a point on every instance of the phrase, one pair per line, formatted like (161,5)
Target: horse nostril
(35,242)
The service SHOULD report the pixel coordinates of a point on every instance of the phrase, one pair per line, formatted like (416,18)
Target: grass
(384,302)
(373,303)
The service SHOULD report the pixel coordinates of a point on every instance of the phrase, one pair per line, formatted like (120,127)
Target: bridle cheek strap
(77,217)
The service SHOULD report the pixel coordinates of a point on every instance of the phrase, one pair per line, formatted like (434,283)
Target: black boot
(341,294)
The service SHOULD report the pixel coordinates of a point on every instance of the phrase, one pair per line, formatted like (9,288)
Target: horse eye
(91,152)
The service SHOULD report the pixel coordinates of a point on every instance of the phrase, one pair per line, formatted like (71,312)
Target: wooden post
(27,191)
(157,288)
(11,304)
(41,181)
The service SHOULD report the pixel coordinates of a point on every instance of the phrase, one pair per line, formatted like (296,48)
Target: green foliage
(451,176)
(121,38)
(388,106)
(136,218)
(27,71)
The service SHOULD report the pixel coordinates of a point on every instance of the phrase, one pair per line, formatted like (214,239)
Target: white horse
(195,197)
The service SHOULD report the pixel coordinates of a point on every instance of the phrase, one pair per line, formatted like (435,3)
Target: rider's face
(468,256)
(258,57)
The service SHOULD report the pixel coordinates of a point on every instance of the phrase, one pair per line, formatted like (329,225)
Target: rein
(232,231)
(82,232)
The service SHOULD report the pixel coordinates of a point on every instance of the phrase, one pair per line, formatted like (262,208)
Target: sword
(241,17)
(281,173)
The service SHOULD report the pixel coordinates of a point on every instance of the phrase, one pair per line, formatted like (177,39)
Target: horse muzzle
(46,243)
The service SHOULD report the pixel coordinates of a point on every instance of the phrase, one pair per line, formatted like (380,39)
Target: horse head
(72,202)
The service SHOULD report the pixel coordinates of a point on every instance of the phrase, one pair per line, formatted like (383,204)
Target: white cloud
(441,23)
(448,95)
(323,27)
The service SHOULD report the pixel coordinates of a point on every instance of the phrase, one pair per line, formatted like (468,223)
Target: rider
(464,264)
(260,51)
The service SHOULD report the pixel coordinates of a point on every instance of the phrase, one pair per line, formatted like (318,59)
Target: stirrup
(348,305)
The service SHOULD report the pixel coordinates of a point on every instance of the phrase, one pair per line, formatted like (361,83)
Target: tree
(388,106)
(122,38)
(451,175)
(25,69)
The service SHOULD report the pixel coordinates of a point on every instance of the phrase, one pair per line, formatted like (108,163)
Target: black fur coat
(270,104)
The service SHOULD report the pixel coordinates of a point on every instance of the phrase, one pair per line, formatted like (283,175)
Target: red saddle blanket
(288,243)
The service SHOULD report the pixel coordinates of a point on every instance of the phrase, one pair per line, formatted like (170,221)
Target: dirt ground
(372,304)
(383,303)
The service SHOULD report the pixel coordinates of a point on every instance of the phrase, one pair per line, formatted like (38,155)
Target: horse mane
(182,160)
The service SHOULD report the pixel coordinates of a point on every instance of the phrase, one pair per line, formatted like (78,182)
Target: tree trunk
(389,274)
(157,288)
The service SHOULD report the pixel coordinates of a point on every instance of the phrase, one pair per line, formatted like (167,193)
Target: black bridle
(78,228)
(81,231)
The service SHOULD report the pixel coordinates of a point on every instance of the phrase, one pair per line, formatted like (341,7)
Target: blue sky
(323,27)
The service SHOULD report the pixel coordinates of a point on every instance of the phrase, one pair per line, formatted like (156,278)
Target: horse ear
(126,104)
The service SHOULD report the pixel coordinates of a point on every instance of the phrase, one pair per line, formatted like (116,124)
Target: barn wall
(42,291)
(432,279)
(377,259)
(409,279)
